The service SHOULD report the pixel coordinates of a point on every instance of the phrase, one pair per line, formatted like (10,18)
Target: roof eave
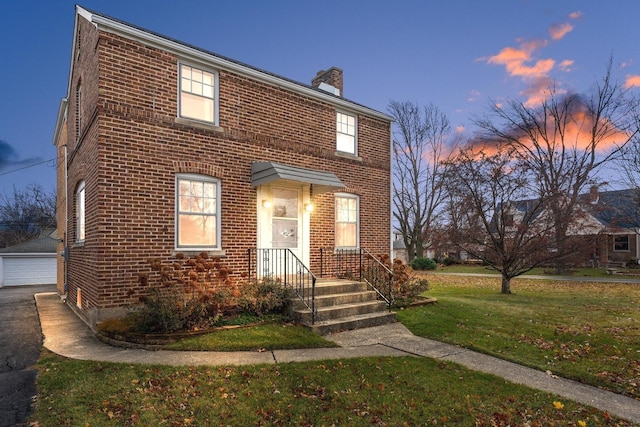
(122,29)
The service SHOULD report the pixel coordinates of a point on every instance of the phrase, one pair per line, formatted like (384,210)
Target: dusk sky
(458,55)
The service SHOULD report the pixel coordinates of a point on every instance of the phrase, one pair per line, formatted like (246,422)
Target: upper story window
(346,133)
(347,221)
(197,94)
(621,243)
(80,213)
(198,212)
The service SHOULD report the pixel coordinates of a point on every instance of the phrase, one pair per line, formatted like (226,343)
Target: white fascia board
(187,52)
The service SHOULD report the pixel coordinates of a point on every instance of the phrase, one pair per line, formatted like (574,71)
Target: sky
(457,55)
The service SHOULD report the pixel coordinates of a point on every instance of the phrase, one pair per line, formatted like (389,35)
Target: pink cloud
(558,31)
(575,15)
(631,81)
(566,65)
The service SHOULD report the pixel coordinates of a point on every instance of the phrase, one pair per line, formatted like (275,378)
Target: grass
(589,332)
(481,269)
(354,392)
(586,331)
(270,336)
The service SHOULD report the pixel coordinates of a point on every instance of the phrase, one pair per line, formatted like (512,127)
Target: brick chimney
(331,77)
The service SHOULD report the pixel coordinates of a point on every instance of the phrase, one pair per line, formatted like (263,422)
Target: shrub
(265,296)
(423,264)
(448,261)
(410,290)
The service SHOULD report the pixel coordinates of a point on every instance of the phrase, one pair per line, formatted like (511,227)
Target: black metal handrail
(282,264)
(358,264)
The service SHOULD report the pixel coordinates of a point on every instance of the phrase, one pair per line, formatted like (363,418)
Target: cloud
(523,62)
(631,81)
(558,31)
(10,159)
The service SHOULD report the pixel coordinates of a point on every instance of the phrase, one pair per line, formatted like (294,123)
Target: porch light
(266,204)
(308,207)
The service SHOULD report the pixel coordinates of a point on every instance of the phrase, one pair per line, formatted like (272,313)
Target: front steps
(343,305)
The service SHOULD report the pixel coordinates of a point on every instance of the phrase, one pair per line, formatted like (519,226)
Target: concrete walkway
(67,335)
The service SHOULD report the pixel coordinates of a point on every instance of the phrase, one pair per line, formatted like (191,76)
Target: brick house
(165,148)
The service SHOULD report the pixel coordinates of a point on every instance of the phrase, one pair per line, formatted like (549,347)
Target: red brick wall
(130,154)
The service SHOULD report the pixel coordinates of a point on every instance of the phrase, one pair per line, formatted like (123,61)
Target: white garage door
(29,270)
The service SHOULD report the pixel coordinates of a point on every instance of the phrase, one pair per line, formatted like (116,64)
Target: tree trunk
(506,284)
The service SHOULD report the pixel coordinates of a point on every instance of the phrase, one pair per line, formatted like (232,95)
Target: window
(621,243)
(347,223)
(197,207)
(197,89)
(346,133)
(80,213)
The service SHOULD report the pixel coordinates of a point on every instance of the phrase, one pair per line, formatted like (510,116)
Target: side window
(621,243)
(346,133)
(347,221)
(80,213)
(197,212)
(197,94)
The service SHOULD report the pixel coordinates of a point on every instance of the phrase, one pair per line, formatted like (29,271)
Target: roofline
(185,51)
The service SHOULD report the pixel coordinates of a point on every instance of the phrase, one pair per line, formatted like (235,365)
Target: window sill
(198,124)
(78,244)
(215,253)
(346,155)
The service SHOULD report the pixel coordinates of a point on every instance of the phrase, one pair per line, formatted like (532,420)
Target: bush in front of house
(423,264)
(195,293)
(264,296)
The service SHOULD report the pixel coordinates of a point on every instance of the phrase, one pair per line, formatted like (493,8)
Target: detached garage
(29,263)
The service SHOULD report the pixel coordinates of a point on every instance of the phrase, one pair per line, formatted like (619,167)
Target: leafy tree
(564,142)
(421,145)
(24,214)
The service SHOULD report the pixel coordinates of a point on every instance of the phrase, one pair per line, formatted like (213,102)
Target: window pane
(185,72)
(197,230)
(196,107)
(345,234)
(207,78)
(345,143)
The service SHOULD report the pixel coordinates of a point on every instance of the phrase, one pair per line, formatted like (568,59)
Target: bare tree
(24,214)
(495,213)
(564,142)
(421,144)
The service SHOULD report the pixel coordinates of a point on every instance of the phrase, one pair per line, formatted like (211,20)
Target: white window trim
(355,132)
(621,250)
(202,178)
(335,207)
(81,213)
(216,88)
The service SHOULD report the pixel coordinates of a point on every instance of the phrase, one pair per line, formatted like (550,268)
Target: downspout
(391,191)
(66,224)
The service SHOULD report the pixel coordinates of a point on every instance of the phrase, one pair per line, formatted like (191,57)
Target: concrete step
(342,310)
(331,287)
(354,322)
(337,299)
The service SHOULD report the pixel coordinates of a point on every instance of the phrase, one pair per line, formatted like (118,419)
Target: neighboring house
(166,148)
(30,263)
(607,224)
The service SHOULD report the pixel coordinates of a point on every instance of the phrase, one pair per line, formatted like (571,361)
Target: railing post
(321,256)
(360,250)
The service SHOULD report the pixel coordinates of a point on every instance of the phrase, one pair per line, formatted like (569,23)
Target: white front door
(283,222)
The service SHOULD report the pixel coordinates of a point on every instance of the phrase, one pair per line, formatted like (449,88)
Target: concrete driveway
(20,343)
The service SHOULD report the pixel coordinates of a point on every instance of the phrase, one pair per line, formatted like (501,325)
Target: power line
(27,167)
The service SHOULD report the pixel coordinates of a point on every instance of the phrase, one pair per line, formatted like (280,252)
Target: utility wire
(27,167)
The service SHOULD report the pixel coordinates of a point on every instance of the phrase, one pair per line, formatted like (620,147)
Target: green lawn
(540,271)
(585,331)
(355,392)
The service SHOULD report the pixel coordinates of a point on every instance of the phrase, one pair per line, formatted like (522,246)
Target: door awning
(321,181)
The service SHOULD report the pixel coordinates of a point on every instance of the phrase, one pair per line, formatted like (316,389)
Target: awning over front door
(321,181)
